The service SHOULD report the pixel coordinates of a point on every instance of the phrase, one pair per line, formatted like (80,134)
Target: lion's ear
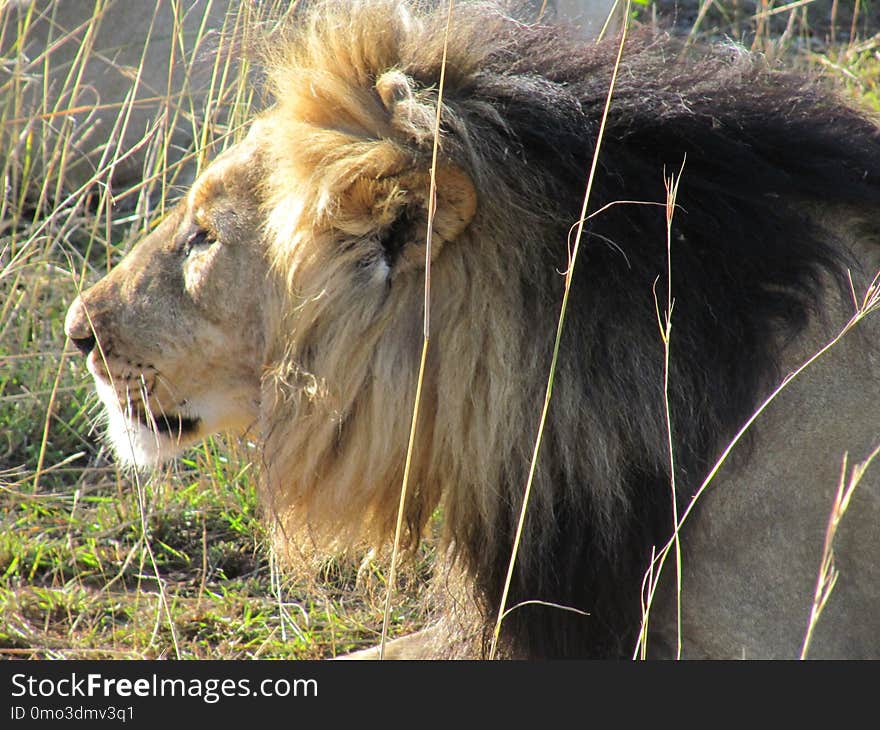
(387,203)
(392,213)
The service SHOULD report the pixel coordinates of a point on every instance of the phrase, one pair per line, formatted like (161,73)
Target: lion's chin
(140,443)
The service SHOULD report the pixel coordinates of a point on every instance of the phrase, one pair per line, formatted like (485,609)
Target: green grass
(98,563)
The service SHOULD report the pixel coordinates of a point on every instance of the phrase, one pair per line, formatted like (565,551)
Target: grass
(94,562)
(96,565)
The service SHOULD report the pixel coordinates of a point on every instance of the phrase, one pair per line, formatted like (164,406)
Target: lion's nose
(78,328)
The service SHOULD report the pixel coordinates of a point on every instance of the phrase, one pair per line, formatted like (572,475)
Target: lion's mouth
(170,424)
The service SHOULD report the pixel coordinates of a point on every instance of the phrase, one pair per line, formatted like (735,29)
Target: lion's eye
(199,240)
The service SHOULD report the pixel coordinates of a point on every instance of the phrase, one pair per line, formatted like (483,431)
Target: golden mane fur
(358,157)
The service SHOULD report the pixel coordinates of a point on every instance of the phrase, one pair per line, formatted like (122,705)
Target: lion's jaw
(144,435)
(141,438)
(136,443)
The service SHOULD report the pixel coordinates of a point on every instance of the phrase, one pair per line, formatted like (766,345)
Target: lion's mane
(350,142)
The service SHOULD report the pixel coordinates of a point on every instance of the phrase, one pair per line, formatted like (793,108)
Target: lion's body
(323,209)
(752,555)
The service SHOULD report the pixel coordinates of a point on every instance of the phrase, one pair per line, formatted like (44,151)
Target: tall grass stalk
(664,322)
(828,573)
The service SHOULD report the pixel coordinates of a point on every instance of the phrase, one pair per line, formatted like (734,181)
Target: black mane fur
(758,147)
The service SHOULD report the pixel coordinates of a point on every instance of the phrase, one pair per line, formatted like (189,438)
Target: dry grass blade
(782,9)
(665,325)
(828,573)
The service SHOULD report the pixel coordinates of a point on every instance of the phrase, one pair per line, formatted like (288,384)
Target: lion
(284,296)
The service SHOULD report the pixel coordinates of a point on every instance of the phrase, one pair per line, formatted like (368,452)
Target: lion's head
(170,335)
(285,294)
